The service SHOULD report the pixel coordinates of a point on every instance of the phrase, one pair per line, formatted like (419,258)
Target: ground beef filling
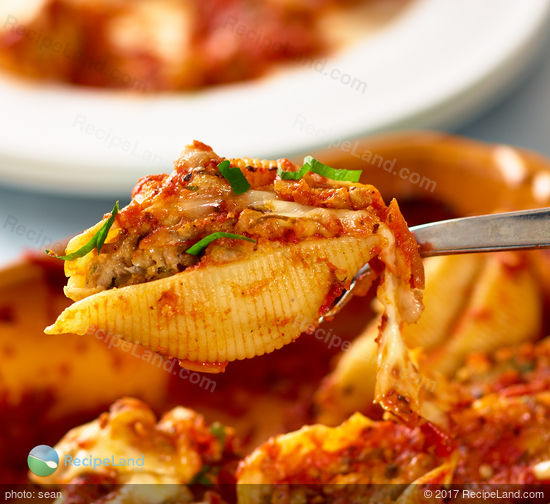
(156,231)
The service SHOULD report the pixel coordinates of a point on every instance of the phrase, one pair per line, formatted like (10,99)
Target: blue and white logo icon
(43,460)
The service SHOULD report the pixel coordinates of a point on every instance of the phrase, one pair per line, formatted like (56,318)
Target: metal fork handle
(527,229)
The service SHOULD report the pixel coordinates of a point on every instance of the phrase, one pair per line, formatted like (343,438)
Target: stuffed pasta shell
(230,259)
(360,460)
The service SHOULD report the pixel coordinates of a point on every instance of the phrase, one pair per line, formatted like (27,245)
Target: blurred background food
(95,94)
(167,45)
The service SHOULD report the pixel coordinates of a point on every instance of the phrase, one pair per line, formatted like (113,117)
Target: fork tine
(346,296)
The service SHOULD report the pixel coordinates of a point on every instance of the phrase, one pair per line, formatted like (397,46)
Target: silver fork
(524,230)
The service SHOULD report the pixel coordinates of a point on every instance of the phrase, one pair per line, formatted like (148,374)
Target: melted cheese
(399,382)
(266,201)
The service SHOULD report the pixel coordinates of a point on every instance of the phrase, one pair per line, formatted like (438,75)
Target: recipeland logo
(43,461)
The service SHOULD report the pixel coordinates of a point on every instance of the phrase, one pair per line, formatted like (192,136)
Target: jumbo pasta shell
(347,463)
(350,386)
(226,312)
(504,309)
(449,280)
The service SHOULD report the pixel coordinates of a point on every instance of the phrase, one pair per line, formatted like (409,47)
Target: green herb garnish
(312,165)
(201,245)
(290,175)
(235,177)
(96,242)
(218,430)
(332,173)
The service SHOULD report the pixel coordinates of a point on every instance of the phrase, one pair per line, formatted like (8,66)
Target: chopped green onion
(96,242)
(332,173)
(312,165)
(201,245)
(218,430)
(289,175)
(235,177)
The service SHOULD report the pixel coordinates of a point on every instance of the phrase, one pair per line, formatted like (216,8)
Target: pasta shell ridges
(225,312)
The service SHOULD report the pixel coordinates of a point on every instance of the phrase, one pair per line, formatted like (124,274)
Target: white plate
(437,64)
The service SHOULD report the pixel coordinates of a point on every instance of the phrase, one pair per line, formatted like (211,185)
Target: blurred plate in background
(438,64)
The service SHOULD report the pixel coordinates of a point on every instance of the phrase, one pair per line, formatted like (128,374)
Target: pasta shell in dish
(499,433)
(385,457)
(229,259)
(172,450)
(126,455)
(474,303)
(504,308)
